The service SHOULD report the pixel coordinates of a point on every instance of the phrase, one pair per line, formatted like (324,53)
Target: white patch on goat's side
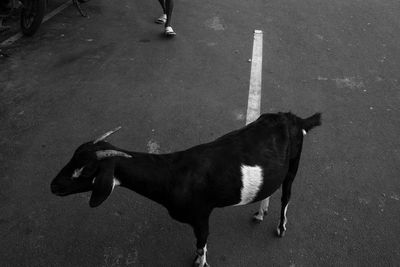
(252,179)
(77,172)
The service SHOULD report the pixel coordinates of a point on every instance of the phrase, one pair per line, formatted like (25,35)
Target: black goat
(241,167)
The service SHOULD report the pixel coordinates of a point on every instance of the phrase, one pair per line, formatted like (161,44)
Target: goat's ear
(103,183)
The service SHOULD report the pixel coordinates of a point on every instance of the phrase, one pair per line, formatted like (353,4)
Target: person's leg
(169,6)
(163,18)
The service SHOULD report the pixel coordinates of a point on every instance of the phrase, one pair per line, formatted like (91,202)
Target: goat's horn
(111,153)
(107,134)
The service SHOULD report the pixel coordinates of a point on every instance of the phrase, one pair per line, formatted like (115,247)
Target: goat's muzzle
(57,190)
(68,186)
(65,184)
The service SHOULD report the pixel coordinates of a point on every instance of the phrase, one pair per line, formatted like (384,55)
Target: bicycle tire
(32,16)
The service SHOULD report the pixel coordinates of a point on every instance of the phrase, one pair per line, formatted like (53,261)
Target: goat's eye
(77,173)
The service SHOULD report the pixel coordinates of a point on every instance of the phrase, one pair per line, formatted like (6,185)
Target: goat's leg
(259,215)
(201,233)
(286,193)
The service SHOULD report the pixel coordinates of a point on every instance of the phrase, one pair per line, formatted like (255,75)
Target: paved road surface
(78,78)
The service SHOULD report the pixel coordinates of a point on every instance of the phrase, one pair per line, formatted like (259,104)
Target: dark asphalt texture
(78,78)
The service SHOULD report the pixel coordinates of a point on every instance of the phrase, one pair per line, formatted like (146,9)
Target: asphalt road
(78,78)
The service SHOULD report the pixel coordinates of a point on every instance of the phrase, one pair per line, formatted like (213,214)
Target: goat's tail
(311,122)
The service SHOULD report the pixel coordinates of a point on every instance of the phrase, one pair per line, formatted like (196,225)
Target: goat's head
(90,169)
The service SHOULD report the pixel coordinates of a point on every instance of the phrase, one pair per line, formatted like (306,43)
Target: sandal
(169,31)
(162,19)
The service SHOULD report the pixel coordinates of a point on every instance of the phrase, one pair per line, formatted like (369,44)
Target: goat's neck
(146,174)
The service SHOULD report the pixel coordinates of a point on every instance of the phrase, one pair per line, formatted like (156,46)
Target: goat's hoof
(257,217)
(197,262)
(279,232)
(199,265)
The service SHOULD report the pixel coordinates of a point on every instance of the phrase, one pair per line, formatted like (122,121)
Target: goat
(241,167)
(167,7)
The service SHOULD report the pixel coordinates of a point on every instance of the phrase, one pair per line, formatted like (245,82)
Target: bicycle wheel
(32,15)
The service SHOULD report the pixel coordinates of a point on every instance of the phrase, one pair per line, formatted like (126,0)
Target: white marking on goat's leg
(281,229)
(115,182)
(278,231)
(201,257)
(259,216)
(285,218)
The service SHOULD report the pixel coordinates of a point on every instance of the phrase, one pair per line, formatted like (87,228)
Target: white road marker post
(254,100)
